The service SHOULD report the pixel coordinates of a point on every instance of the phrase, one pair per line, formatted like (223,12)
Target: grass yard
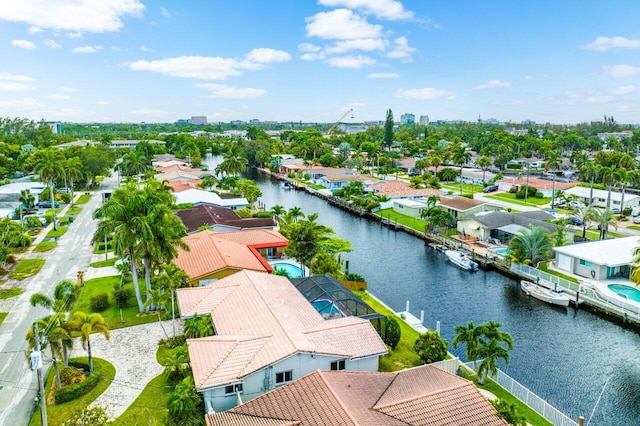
(83,199)
(112,313)
(634,227)
(467,188)
(543,267)
(45,246)
(511,198)
(26,268)
(594,234)
(57,414)
(99,248)
(411,222)
(55,233)
(150,408)
(102,263)
(403,356)
(3,315)
(74,211)
(8,293)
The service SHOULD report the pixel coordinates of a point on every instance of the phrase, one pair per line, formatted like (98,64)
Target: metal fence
(538,404)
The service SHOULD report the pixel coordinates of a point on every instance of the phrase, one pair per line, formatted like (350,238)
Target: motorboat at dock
(559,298)
(460,259)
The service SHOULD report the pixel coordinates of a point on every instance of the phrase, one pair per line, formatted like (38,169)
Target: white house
(266,335)
(600,197)
(197,197)
(598,260)
(411,208)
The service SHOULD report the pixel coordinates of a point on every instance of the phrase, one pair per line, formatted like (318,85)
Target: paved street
(73,253)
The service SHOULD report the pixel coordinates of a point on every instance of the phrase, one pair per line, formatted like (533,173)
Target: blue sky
(311,60)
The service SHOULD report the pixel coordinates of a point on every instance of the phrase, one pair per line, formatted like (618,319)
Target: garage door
(563,262)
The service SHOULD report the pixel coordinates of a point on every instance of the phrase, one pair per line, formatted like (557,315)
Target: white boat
(461,259)
(287,185)
(559,298)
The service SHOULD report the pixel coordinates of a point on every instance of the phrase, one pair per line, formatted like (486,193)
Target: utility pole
(36,364)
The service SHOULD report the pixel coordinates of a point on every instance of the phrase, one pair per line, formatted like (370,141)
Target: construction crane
(333,127)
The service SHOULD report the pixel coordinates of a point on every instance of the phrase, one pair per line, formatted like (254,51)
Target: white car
(636,219)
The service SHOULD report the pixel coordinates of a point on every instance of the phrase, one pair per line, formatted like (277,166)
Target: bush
(626,211)
(354,277)
(507,411)
(513,190)
(94,416)
(264,214)
(99,302)
(392,333)
(122,296)
(539,195)
(68,375)
(244,213)
(530,191)
(430,347)
(72,392)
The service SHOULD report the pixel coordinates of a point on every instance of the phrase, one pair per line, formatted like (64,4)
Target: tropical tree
(54,332)
(621,177)
(177,364)
(430,347)
(303,241)
(208,182)
(64,295)
(48,163)
(460,156)
(232,164)
(158,298)
(172,278)
(604,218)
(278,211)
(607,175)
(392,333)
(293,214)
(388,130)
(73,170)
(484,163)
(469,335)
(27,200)
(134,163)
(585,215)
(589,172)
(491,352)
(530,246)
(87,324)
(183,402)
(552,164)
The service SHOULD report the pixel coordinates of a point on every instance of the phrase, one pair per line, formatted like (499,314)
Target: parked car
(636,219)
(615,210)
(47,204)
(574,221)
(490,188)
(577,205)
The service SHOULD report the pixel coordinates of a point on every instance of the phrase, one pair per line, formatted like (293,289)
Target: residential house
(267,335)
(197,197)
(182,168)
(600,197)
(543,185)
(462,207)
(213,255)
(398,189)
(411,208)
(598,260)
(502,225)
(422,395)
(476,176)
(220,219)
(180,175)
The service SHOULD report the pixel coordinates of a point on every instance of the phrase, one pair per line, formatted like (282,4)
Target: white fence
(538,404)
(448,365)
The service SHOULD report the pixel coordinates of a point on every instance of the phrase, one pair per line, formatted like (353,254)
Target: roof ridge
(416,397)
(337,398)
(215,366)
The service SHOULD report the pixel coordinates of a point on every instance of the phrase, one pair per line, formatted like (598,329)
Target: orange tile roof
(398,188)
(282,322)
(460,203)
(419,396)
(183,185)
(212,251)
(236,419)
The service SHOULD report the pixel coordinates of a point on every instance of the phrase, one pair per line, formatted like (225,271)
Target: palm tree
(177,364)
(590,172)
(133,163)
(172,278)
(87,324)
(553,165)
(584,215)
(232,164)
(158,298)
(460,157)
(604,218)
(293,214)
(531,245)
(26,200)
(73,172)
(53,331)
(621,176)
(208,182)
(64,295)
(470,335)
(278,211)
(48,164)
(607,174)
(491,352)
(484,162)
(183,400)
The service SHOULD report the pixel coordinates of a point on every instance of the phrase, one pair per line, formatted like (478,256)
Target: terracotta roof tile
(208,215)
(237,419)
(460,203)
(538,183)
(183,185)
(397,188)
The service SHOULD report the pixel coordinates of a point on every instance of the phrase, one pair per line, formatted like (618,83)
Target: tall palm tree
(470,335)
(621,177)
(605,218)
(531,245)
(607,174)
(232,164)
(491,352)
(584,215)
(293,214)
(172,278)
(460,156)
(48,164)
(590,172)
(87,324)
(552,164)
(484,162)
(73,172)
(54,332)
(278,211)
(26,199)
(64,295)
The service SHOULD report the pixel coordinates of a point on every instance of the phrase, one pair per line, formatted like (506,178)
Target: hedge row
(70,393)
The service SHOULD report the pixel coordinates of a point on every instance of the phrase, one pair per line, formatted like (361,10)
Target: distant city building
(55,126)
(424,120)
(182,121)
(254,121)
(529,123)
(198,119)
(373,123)
(407,118)
(237,123)
(618,135)
(353,128)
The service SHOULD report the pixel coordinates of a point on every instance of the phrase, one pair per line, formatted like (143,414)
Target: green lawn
(543,267)
(594,234)
(102,263)
(8,293)
(467,188)
(83,199)
(99,248)
(74,211)
(57,414)
(411,222)
(45,246)
(112,313)
(55,233)
(26,268)
(403,355)
(3,315)
(634,227)
(150,408)
(511,198)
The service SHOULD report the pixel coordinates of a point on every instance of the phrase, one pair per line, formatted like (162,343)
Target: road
(73,253)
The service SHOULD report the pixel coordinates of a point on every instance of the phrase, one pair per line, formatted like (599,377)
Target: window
(231,389)
(585,263)
(284,377)
(338,365)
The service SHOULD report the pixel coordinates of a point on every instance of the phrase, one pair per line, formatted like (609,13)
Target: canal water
(568,357)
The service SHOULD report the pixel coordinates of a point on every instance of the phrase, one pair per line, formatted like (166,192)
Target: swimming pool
(626,291)
(326,308)
(502,251)
(292,270)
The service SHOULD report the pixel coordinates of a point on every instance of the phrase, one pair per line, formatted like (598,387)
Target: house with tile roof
(198,196)
(542,185)
(463,207)
(421,396)
(398,189)
(214,255)
(220,219)
(267,335)
(502,225)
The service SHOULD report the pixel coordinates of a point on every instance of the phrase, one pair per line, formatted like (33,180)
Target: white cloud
(14,87)
(57,96)
(67,89)
(384,75)
(400,49)
(493,84)
(313,56)
(340,24)
(623,90)
(228,92)
(265,55)
(620,71)
(428,93)
(308,47)
(23,44)
(33,30)
(164,12)
(74,35)
(354,62)
(143,48)
(52,44)
(602,44)
(366,44)
(14,77)
(383,9)
(73,15)
(87,49)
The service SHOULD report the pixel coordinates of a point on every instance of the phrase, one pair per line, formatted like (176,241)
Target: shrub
(626,211)
(530,191)
(99,302)
(354,277)
(94,416)
(68,375)
(539,195)
(244,213)
(72,392)
(264,214)
(392,333)
(507,411)
(122,296)
(513,190)
(430,347)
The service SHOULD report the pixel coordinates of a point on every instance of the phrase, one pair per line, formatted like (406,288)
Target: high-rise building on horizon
(407,118)
(424,120)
